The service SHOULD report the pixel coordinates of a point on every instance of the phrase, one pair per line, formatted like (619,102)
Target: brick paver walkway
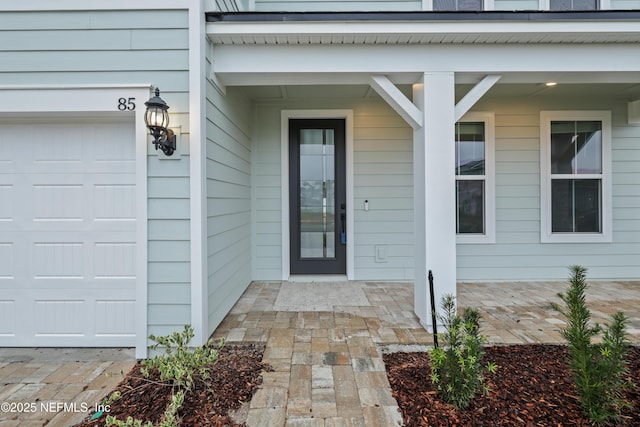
(328,369)
(57,387)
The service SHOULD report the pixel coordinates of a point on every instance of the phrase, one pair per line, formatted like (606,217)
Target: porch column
(434,191)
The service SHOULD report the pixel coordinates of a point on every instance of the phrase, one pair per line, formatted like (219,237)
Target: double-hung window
(475,195)
(575,179)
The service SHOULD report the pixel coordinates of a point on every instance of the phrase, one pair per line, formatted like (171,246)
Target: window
(575,160)
(573,5)
(475,205)
(449,5)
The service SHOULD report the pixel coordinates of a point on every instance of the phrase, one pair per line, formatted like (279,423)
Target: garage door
(67,233)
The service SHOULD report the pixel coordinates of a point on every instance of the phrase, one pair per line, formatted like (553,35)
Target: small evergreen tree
(456,368)
(598,370)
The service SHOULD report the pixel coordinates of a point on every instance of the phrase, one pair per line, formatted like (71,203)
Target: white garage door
(67,233)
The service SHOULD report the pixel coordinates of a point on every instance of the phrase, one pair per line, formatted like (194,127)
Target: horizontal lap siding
(382,175)
(122,48)
(228,200)
(518,253)
(266,183)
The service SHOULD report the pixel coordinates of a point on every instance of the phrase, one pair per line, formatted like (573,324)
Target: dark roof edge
(518,16)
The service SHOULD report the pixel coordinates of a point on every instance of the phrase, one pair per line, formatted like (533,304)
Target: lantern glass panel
(157,117)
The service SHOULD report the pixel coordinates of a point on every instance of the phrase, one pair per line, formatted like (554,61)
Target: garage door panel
(67,234)
(68,147)
(7,266)
(7,152)
(114,202)
(60,202)
(7,195)
(115,318)
(56,317)
(66,261)
(114,146)
(114,260)
(7,318)
(59,260)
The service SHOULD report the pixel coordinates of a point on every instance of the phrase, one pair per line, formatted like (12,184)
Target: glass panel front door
(317,196)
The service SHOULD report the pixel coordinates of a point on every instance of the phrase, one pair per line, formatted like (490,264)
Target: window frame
(489,235)
(543,5)
(546,234)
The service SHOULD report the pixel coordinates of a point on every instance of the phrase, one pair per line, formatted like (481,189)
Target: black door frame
(297,264)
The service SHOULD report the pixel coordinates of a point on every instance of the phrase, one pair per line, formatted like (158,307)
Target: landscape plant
(598,369)
(179,367)
(456,367)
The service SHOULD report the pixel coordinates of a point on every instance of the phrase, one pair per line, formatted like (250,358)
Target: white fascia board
(48,5)
(220,30)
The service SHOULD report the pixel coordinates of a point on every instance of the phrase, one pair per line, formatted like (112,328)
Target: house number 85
(126,104)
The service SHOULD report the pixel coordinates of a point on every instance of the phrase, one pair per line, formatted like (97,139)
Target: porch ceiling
(620,91)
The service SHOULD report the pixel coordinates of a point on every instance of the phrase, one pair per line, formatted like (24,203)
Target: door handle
(343,234)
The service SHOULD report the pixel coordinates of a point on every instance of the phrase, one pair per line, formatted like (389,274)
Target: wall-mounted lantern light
(156,117)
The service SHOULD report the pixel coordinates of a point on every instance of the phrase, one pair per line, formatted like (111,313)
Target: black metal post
(433,310)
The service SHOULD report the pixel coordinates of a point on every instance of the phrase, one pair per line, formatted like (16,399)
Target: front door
(317,196)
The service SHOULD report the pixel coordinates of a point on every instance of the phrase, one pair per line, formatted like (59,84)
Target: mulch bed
(234,378)
(531,388)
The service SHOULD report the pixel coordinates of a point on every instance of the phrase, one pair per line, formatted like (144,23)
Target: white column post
(434,191)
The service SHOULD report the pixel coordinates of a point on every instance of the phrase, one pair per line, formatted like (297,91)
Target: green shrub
(180,366)
(456,368)
(130,422)
(597,370)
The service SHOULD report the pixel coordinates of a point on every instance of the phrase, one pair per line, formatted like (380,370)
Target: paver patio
(39,382)
(328,369)
(326,353)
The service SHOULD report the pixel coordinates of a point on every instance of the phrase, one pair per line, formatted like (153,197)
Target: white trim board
(489,236)
(77,100)
(546,235)
(285,115)
(197,175)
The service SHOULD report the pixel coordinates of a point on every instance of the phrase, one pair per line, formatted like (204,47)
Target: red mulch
(531,388)
(234,378)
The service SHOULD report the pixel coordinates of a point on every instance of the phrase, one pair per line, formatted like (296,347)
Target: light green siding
(382,173)
(228,171)
(383,176)
(122,48)
(518,253)
(335,5)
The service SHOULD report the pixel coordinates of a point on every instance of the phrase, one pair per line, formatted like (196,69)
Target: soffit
(423,28)
(423,38)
